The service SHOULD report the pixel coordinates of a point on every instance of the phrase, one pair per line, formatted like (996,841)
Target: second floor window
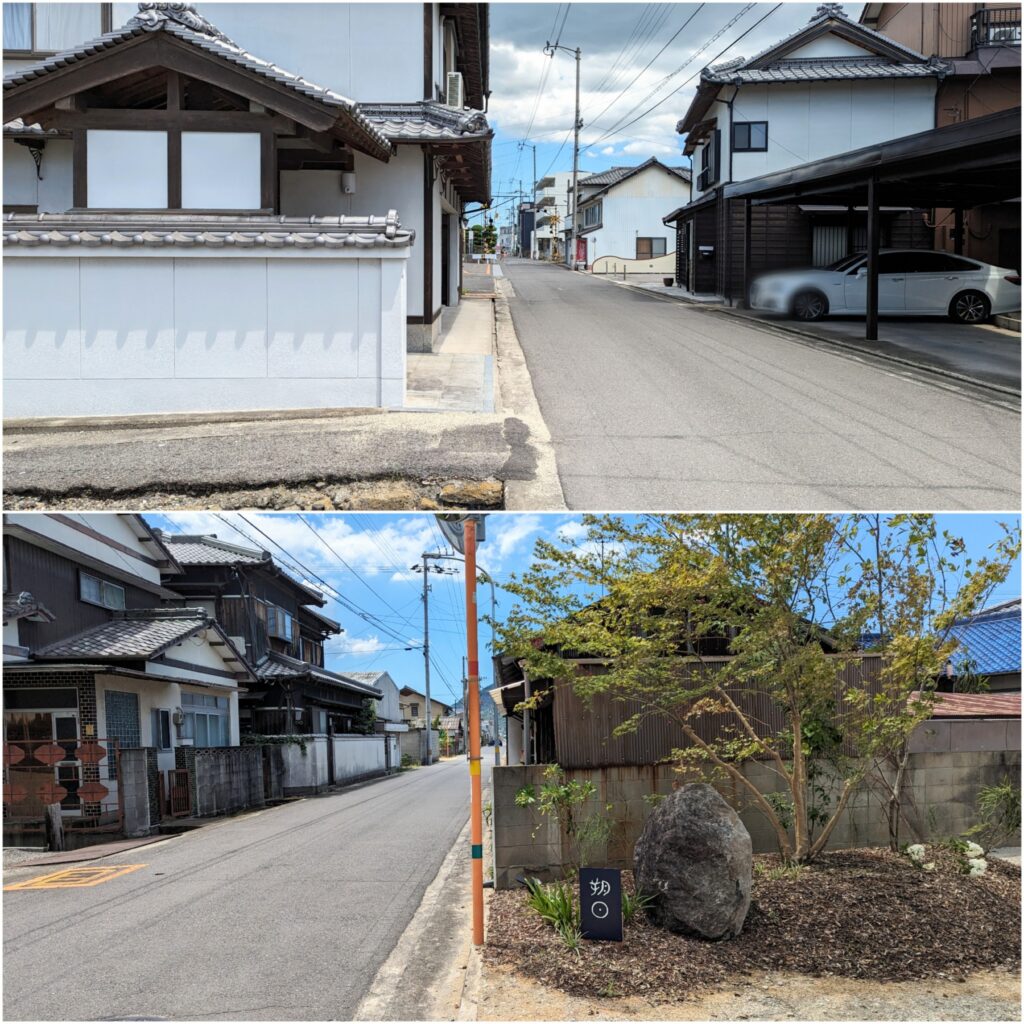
(750,136)
(414,710)
(592,215)
(93,590)
(49,28)
(709,161)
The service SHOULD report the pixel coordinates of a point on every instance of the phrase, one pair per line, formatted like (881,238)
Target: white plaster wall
(358,755)
(152,695)
(220,170)
(387,706)
(52,193)
(203,332)
(396,185)
(829,46)
(364,51)
(116,527)
(809,121)
(127,169)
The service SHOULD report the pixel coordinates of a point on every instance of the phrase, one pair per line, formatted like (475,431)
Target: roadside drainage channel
(391,494)
(948,380)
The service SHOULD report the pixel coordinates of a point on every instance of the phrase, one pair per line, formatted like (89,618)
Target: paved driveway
(282,915)
(658,405)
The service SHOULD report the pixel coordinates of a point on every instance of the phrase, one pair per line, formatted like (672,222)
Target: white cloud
(608,151)
(572,531)
(646,149)
(355,646)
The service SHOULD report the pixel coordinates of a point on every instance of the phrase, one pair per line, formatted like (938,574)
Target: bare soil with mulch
(862,914)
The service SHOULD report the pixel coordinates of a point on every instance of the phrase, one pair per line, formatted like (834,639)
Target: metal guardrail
(995,26)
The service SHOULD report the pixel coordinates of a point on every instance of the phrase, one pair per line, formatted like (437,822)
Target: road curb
(1010,397)
(517,397)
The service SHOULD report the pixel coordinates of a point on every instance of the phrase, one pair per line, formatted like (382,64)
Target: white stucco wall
(634,209)
(364,51)
(396,185)
(356,756)
(50,194)
(203,332)
(811,120)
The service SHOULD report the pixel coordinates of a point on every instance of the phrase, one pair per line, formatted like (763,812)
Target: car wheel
(970,308)
(809,306)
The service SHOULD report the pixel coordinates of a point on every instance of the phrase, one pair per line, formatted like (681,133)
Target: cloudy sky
(533,95)
(365,558)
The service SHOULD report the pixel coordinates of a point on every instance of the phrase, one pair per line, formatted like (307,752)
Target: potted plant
(668,281)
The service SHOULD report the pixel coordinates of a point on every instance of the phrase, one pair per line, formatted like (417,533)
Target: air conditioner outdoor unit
(453,94)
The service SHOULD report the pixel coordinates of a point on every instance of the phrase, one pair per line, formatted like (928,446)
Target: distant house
(389,719)
(989,647)
(551,207)
(100,655)
(621,211)
(277,621)
(413,706)
(829,88)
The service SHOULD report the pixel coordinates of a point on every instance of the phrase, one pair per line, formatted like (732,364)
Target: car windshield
(846,262)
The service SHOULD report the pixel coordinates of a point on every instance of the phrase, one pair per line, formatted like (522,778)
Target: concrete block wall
(135,791)
(227,779)
(414,744)
(940,800)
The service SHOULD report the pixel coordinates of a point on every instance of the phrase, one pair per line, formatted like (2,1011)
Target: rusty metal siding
(583,731)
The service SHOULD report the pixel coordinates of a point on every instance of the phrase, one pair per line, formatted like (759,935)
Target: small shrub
(633,902)
(554,903)
(774,872)
(999,814)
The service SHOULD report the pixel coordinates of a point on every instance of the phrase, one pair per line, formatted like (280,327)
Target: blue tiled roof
(990,641)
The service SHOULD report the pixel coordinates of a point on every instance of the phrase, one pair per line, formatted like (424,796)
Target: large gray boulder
(695,858)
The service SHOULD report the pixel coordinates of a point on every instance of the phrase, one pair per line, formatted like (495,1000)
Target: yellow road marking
(75,878)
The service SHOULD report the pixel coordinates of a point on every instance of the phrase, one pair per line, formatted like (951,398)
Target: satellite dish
(452,524)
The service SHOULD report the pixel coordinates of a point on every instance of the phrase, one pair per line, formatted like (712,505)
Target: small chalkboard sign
(601,904)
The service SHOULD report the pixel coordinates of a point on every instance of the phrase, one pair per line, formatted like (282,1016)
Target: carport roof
(960,166)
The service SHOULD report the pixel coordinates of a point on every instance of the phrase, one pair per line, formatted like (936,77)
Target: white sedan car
(911,282)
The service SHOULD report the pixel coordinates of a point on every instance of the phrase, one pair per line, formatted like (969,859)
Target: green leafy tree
(645,602)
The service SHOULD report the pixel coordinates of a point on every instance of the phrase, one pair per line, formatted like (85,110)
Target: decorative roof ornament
(152,14)
(828,11)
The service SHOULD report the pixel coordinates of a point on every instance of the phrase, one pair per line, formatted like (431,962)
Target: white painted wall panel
(220,317)
(315,337)
(127,169)
(127,318)
(829,46)
(204,332)
(49,194)
(220,170)
(42,328)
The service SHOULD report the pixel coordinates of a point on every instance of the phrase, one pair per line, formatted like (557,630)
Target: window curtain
(62,26)
(17,26)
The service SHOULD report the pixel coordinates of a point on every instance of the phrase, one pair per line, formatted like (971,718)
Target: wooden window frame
(651,238)
(83,575)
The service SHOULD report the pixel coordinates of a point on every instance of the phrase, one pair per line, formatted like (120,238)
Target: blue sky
(379,548)
(533,95)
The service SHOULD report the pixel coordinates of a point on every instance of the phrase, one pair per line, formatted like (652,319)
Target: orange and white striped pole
(473,713)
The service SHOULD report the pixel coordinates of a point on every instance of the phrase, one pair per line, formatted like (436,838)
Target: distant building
(989,647)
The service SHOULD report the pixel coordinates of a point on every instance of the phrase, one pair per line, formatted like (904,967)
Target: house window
(96,591)
(709,161)
(313,653)
(161,729)
(592,215)
(750,136)
(414,711)
(49,28)
(206,719)
(279,623)
(649,248)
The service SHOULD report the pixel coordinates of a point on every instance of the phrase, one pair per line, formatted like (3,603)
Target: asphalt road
(285,914)
(658,405)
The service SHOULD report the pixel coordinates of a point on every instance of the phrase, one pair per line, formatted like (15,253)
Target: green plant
(408,762)
(633,902)
(653,799)
(557,907)
(365,721)
(998,814)
(774,872)
(488,810)
(253,739)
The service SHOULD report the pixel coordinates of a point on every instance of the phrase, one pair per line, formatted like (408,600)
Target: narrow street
(285,914)
(657,405)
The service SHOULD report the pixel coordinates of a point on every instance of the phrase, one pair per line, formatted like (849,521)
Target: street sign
(452,526)
(601,904)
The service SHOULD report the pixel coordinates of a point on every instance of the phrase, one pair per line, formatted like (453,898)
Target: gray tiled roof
(426,121)
(23,605)
(824,69)
(615,174)
(182,21)
(125,231)
(281,666)
(141,634)
(196,549)
(17,127)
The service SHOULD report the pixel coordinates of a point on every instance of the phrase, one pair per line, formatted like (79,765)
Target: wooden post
(54,828)
(745,304)
(871,330)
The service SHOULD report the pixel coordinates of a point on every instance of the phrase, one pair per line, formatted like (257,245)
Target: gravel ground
(857,914)
(321,496)
(15,855)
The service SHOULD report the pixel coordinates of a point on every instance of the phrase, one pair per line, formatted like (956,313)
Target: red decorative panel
(90,752)
(92,792)
(51,793)
(51,753)
(13,793)
(12,755)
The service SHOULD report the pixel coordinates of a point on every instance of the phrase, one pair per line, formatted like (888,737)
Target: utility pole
(426,568)
(549,49)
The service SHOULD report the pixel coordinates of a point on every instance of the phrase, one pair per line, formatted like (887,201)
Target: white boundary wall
(92,332)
